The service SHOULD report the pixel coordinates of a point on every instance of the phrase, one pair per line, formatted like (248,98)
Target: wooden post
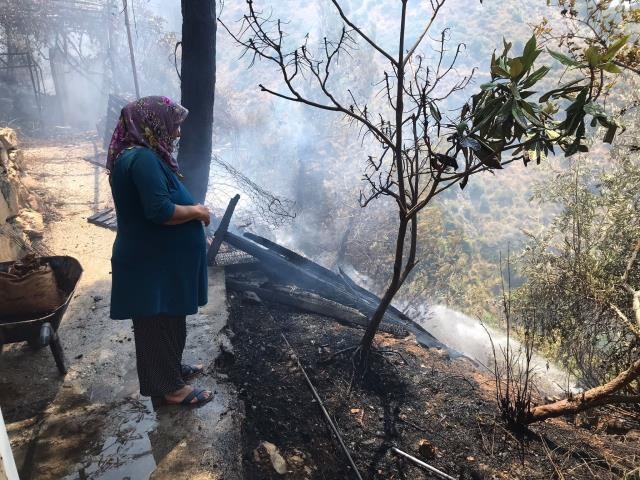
(8,468)
(131,54)
(218,237)
(60,86)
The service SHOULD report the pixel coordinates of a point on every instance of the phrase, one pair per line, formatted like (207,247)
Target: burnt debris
(283,276)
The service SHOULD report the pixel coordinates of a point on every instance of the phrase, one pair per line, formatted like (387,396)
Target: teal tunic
(157,269)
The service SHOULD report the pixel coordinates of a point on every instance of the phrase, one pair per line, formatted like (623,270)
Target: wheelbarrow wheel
(43,339)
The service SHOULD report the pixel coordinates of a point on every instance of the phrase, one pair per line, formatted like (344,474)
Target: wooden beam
(131,54)
(221,231)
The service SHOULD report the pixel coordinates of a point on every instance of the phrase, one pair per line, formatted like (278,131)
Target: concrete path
(92,423)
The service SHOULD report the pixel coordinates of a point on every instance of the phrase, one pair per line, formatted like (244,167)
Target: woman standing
(159,269)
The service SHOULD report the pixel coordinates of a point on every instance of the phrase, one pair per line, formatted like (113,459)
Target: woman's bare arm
(186,213)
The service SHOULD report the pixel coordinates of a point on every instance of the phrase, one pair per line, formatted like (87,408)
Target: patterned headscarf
(148,122)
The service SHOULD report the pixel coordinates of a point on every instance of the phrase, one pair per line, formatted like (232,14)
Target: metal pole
(433,470)
(324,410)
(133,58)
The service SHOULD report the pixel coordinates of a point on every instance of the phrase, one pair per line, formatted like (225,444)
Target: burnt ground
(447,404)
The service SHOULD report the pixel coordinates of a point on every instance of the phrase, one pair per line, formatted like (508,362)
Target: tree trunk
(398,277)
(594,397)
(198,74)
(392,289)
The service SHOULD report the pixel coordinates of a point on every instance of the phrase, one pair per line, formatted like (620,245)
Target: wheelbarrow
(41,330)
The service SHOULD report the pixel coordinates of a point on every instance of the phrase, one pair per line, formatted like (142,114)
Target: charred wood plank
(337,280)
(288,273)
(302,299)
(218,237)
(310,302)
(295,258)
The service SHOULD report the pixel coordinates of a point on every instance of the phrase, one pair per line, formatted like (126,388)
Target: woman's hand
(203,214)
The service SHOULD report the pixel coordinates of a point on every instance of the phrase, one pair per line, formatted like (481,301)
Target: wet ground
(92,423)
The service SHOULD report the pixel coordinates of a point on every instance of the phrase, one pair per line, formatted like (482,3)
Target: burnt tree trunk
(198,78)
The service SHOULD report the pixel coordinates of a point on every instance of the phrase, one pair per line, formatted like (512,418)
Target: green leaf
(593,56)
(530,53)
(530,112)
(435,112)
(518,116)
(462,127)
(574,123)
(515,68)
(614,48)
(529,49)
(595,109)
(498,71)
(563,59)
(493,63)
(535,77)
(507,47)
(561,91)
(490,85)
(611,67)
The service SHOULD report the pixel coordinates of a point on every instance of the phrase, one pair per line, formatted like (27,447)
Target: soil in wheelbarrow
(439,410)
(28,289)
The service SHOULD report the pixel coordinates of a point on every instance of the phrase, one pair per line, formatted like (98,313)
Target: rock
(30,222)
(8,138)
(4,160)
(9,192)
(277,461)
(297,460)
(32,202)
(29,182)
(426,449)
(17,157)
(251,297)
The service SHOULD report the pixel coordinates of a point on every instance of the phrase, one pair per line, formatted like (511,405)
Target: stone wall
(20,219)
